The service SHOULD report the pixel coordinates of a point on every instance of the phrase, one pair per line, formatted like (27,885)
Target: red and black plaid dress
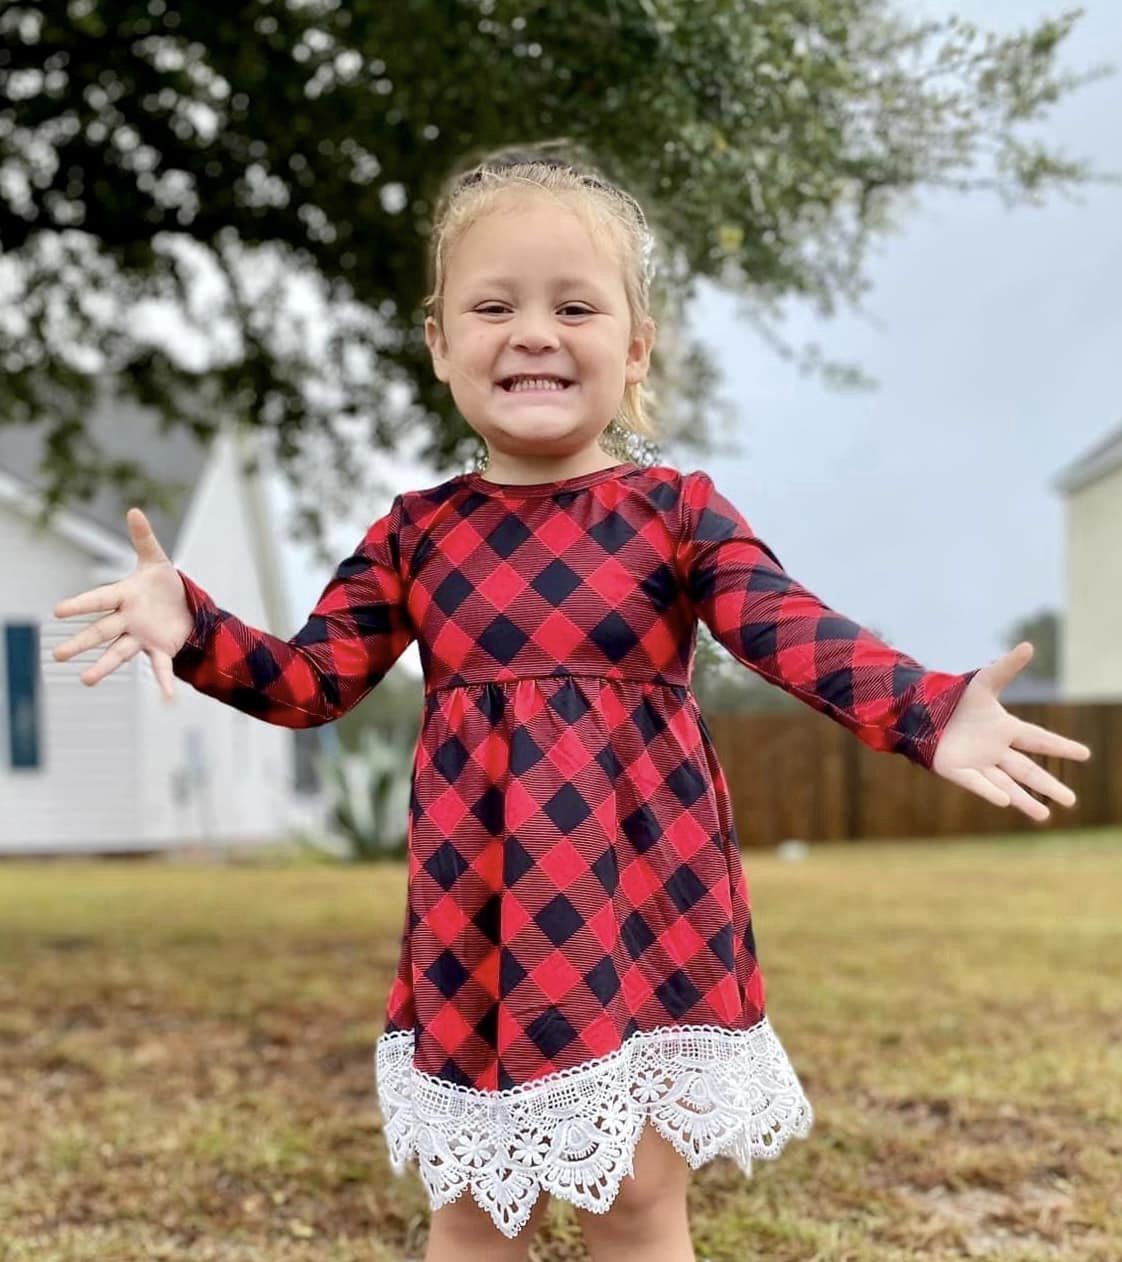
(577,955)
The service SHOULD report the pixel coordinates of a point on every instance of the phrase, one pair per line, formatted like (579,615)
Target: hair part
(605,209)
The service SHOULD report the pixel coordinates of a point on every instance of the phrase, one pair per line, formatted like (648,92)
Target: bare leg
(648,1219)
(462,1232)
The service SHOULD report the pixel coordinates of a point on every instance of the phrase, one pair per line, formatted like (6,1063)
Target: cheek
(607,354)
(471,355)
(480,349)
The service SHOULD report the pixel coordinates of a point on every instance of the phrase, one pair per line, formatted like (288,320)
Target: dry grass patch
(186,1061)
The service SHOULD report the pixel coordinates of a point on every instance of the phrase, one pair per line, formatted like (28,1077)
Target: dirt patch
(968,1122)
(982,1221)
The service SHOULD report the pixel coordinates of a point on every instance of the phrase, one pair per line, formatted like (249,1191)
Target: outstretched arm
(775,626)
(357,630)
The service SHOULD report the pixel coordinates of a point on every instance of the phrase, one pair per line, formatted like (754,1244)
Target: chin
(538,438)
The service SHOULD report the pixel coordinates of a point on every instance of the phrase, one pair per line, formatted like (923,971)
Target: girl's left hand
(980,746)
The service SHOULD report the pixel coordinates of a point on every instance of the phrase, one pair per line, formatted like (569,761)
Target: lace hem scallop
(709,1091)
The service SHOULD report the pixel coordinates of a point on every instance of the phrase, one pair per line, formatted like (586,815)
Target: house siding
(84,791)
(215,774)
(1091,650)
(120,768)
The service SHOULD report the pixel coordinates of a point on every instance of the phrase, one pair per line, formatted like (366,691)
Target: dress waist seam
(679,688)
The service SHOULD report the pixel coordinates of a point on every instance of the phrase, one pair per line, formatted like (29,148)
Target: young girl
(577,957)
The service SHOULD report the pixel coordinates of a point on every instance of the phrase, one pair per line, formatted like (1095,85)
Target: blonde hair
(473,191)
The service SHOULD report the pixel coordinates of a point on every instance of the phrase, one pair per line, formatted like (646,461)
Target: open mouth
(524,384)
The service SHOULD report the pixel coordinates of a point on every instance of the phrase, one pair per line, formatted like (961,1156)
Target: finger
(143,538)
(1023,801)
(161,668)
(1037,779)
(1039,740)
(119,652)
(977,783)
(100,632)
(1007,667)
(96,600)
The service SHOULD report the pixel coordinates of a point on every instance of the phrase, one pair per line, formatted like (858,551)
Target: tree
(1043,629)
(226,160)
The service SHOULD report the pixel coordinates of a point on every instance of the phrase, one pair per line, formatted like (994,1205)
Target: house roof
(127,432)
(174,458)
(1103,458)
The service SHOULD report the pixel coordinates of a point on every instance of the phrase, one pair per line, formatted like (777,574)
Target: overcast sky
(925,508)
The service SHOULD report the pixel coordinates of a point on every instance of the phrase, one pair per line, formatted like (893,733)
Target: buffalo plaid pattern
(574,874)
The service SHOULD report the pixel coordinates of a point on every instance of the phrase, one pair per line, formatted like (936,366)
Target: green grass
(186,1061)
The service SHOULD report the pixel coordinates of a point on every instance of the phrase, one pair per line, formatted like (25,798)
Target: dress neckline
(575,483)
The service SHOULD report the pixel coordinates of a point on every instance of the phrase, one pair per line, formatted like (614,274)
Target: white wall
(122,768)
(85,792)
(1091,653)
(211,772)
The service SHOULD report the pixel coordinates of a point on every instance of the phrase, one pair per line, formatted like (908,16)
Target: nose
(533,331)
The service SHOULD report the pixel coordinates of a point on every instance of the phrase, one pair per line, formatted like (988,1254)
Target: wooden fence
(804,776)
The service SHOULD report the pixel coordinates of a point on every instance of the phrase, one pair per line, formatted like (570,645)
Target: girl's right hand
(147,610)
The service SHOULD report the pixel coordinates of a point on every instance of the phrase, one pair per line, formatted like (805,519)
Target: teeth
(537,383)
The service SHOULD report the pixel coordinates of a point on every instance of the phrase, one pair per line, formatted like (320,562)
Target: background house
(115,767)
(1091,646)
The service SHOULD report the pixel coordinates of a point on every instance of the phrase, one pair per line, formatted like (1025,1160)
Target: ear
(639,351)
(438,348)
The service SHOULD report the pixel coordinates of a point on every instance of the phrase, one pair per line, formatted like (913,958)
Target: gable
(126,432)
(1102,459)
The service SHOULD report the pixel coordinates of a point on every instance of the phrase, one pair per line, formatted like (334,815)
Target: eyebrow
(511,282)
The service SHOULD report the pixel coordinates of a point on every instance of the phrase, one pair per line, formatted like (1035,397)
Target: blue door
(21,650)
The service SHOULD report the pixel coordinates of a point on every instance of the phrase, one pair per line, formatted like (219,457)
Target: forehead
(532,236)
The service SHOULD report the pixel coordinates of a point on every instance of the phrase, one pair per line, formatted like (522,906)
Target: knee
(650,1202)
(638,1223)
(659,1176)
(463,1231)
(641,1200)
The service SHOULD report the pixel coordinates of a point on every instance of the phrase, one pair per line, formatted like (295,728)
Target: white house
(1091,651)
(115,766)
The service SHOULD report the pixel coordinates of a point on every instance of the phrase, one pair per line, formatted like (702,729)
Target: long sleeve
(357,630)
(773,625)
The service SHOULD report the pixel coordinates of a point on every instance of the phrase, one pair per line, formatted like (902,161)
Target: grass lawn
(186,1061)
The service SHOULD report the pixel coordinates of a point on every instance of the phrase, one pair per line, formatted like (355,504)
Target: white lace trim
(709,1091)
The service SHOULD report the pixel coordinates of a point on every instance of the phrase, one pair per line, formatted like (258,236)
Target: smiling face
(530,293)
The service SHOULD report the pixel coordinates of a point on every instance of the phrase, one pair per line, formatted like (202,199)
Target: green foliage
(220,160)
(368,794)
(1043,630)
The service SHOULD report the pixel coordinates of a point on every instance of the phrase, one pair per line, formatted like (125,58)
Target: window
(21,655)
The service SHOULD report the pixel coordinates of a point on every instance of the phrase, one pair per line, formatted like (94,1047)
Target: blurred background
(889,267)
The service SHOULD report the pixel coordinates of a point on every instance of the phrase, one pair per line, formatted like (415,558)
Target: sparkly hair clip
(650,264)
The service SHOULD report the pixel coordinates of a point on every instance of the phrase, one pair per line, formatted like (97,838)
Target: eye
(570,308)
